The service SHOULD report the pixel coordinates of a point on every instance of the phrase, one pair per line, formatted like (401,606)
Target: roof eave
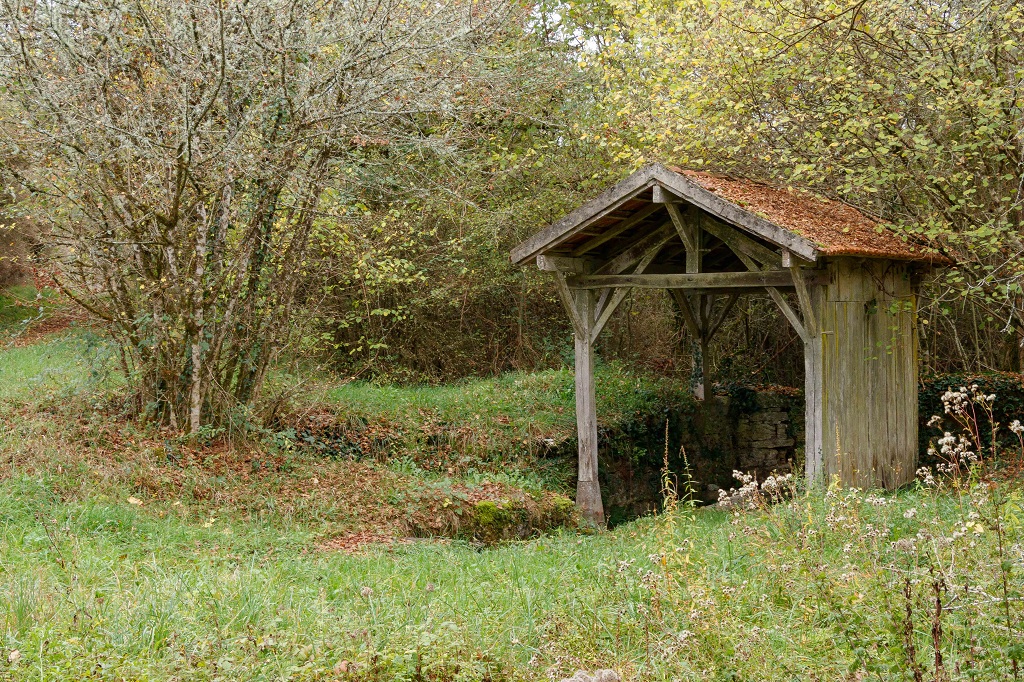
(643,179)
(595,209)
(735,215)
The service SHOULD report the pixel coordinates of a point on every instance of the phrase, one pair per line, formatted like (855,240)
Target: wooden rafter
(632,254)
(605,310)
(615,231)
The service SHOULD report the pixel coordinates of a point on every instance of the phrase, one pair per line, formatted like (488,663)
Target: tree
(911,109)
(191,158)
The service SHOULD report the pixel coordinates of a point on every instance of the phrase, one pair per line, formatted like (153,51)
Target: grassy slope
(229,584)
(498,428)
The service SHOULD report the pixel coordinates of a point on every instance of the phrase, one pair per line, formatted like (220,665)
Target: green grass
(63,364)
(544,401)
(117,563)
(66,364)
(22,304)
(506,427)
(103,589)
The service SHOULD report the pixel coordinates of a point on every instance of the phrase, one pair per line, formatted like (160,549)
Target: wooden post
(588,489)
(698,372)
(689,229)
(813,424)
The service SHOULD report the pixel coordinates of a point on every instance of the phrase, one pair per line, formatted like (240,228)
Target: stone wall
(752,431)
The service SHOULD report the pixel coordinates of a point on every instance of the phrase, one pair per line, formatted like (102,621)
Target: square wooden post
(588,489)
(813,424)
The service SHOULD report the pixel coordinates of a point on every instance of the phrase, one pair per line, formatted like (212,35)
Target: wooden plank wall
(868,337)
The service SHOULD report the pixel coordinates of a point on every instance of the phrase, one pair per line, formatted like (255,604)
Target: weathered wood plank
(585,215)
(615,231)
(704,280)
(813,425)
(803,295)
(579,325)
(869,377)
(741,244)
(604,313)
(588,490)
(660,195)
(790,314)
(635,251)
(686,310)
(685,230)
(576,266)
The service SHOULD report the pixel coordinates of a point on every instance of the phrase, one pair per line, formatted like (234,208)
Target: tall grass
(812,588)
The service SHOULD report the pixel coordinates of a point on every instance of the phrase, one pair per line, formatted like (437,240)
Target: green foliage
(909,109)
(1008,406)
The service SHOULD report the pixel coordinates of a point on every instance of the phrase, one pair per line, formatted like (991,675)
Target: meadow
(126,555)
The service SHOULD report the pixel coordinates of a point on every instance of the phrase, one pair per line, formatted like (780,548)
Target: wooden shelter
(845,283)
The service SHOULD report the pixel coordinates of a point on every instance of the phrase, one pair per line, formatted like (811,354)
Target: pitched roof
(837,229)
(802,223)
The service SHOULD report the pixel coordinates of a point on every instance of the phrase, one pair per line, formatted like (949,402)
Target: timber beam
(704,280)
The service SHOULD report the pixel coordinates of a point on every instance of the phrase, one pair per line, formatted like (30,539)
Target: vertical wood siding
(867,331)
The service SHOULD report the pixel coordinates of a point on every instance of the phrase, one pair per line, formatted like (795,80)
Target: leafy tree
(192,159)
(910,109)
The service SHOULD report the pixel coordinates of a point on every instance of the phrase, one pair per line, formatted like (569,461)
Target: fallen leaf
(14,656)
(134,500)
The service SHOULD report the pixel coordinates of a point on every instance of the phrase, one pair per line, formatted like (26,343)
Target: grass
(100,588)
(520,404)
(518,427)
(34,366)
(68,364)
(128,555)
(19,305)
